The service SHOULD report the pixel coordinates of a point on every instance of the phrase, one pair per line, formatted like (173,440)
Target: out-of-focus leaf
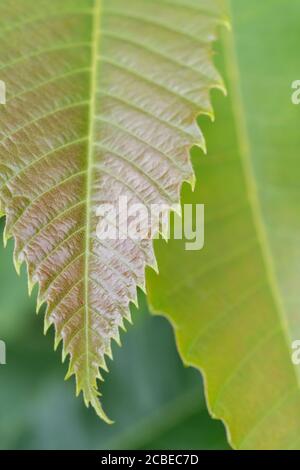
(102,99)
(235,305)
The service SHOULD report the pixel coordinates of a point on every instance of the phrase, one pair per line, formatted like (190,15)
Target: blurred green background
(156,402)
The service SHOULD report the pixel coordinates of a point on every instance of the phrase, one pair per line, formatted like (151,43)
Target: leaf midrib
(90,162)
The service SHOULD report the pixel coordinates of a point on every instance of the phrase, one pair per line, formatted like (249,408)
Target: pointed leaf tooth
(116,338)
(57,341)
(47,325)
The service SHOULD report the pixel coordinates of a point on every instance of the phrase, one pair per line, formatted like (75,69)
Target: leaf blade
(93,115)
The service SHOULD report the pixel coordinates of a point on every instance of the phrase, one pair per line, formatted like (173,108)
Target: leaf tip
(95,403)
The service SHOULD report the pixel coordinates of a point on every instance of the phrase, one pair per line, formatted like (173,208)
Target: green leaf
(102,98)
(235,304)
